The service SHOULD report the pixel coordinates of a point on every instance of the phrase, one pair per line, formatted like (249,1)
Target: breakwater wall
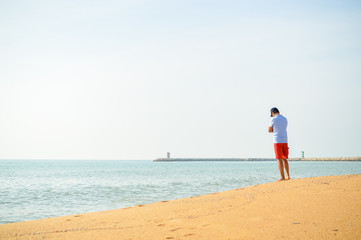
(251,159)
(327,159)
(211,159)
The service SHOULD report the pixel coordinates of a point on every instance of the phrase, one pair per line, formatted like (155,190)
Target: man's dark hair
(274,110)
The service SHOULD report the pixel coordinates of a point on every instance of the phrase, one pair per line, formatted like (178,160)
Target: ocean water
(36,189)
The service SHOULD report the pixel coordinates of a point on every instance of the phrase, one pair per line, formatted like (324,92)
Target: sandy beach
(310,208)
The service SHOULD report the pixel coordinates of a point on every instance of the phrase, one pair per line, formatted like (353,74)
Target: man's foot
(287,178)
(281,179)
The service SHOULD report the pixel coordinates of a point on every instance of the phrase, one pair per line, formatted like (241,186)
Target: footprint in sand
(175,229)
(188,235)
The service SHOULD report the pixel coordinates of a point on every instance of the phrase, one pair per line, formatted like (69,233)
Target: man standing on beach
(278,125)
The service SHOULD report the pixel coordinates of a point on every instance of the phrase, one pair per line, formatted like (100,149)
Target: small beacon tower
(168,154)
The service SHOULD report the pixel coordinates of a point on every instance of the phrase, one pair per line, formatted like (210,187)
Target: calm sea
(34,189)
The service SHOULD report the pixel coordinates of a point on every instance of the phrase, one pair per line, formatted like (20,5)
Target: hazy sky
(133,79)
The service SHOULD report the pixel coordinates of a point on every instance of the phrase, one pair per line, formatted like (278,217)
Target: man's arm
(270,129)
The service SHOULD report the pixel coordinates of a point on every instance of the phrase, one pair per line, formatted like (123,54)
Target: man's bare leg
(280,167)
(285,164)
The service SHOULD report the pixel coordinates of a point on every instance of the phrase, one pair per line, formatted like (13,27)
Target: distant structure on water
(302,154)
(168,154)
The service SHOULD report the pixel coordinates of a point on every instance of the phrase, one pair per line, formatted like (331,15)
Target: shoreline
(307,208)
(252,159)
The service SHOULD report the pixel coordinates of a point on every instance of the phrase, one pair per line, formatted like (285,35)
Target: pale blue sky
(136,79)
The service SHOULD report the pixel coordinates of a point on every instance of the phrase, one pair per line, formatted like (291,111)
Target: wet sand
(310,208)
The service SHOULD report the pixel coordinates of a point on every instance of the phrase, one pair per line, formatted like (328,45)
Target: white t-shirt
(279,125)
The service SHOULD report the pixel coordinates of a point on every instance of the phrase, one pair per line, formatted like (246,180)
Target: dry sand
(310,208)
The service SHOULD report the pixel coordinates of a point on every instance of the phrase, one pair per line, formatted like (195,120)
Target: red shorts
(281,150)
